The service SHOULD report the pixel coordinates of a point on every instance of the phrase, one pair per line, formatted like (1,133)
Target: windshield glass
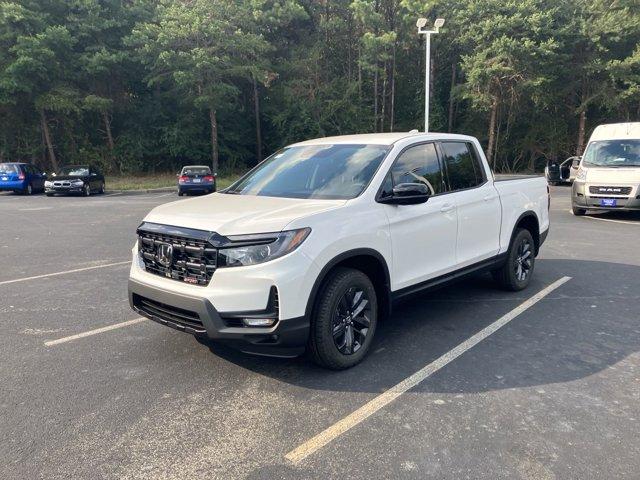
(75,170)
(196,171)
(314,171)
(613,153)
(8,168)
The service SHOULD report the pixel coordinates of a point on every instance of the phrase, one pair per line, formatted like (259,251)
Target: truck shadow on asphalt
(587,325)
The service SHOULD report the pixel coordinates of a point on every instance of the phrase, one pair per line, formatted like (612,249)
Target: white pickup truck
(311,248)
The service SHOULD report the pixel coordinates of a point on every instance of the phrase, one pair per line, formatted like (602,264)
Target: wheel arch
(529,221)
(367,260)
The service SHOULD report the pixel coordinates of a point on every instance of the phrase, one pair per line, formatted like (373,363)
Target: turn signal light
(208,178)
(21,176)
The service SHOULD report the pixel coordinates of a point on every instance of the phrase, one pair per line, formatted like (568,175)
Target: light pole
(421,24)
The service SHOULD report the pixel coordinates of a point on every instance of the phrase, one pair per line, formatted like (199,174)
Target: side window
(417,164)
(463,169)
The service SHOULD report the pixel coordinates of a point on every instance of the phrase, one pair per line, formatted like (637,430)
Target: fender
(534,216)
(385,289)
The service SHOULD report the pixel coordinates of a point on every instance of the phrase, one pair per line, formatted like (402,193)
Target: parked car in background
(609,174)
(562,172)
(79,179)
(310,248)
(22,178)
(196,179)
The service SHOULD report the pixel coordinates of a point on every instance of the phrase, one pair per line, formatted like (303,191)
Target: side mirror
(407,194)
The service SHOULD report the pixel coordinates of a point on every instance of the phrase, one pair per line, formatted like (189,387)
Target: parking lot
(89,390)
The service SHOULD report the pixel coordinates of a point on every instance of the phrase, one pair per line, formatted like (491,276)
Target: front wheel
(516,273)
(344,320)
(86,191)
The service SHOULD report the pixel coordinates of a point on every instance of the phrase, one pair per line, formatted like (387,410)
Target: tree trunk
(451,97)
(375,100)
(492,132)
(214,140)
(581,130)
(47,138)
(393,90)
(110,142)
(256,108)
(384,98)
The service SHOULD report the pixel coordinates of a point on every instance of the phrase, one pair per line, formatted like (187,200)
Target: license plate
(4,179)
(196,180)
(608,202)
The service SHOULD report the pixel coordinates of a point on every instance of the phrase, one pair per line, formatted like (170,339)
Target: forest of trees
(147,85)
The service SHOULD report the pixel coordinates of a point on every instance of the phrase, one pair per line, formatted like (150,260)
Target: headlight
(581,175)
(77,182)
(47,183)
(254,249)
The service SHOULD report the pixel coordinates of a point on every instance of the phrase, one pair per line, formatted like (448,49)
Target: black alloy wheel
(351,321)
(344,319)
(517,270)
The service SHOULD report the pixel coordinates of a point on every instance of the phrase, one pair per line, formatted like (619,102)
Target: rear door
(423,236)
(477,202)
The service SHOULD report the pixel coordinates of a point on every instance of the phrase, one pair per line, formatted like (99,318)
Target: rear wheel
(101,189)
(28,190)
(344,320)
(516,273)
(180,193)
(577,211)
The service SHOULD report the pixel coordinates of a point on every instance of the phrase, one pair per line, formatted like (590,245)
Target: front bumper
(287,338)
(582,198)
(234,293)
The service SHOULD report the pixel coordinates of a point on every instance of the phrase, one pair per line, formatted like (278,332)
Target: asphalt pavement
(552,394)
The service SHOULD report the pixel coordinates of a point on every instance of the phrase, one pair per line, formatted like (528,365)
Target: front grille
(168,313)
(183,258)
(597,190)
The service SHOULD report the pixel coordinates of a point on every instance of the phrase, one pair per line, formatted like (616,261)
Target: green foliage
(147,85)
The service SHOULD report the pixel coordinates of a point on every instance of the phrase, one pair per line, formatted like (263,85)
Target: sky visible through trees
(146,86)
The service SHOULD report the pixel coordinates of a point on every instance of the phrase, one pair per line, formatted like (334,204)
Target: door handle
(447,208)
(488,197)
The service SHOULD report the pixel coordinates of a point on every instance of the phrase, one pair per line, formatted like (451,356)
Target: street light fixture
(421,24)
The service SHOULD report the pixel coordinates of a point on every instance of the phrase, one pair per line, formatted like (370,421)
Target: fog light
(258,322)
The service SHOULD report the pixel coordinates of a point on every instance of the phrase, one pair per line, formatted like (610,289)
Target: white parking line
(611,220)
(89,333)
(316,443)
(46,275)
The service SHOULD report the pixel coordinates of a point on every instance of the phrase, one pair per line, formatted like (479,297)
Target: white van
(609,174)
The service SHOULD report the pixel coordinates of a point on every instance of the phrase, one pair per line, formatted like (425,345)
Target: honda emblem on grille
(165,254)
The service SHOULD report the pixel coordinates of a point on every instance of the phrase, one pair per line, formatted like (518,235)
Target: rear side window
(463,169)
(417,164)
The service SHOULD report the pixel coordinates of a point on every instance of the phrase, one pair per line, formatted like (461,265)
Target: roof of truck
(615,131)
(381,138)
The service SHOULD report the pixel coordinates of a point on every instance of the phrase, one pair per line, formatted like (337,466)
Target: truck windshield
(314,171)
(613,153)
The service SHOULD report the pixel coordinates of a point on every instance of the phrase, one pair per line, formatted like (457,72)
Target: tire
(516,273)
(49,194)
(101,190)
(28,190)
(180,193)
(577,211)
(86,191)
(346,304)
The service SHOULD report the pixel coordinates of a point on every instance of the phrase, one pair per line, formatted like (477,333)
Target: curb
(140,192)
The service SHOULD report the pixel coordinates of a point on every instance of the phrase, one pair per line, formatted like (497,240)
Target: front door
(423,236)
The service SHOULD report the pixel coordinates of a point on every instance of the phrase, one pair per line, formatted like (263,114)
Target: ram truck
(311,248)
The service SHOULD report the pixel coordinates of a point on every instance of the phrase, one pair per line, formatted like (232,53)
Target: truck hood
(622,175)
(229,214)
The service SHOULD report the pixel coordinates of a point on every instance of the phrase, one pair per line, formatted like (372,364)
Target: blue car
(196,179)
(21,178)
